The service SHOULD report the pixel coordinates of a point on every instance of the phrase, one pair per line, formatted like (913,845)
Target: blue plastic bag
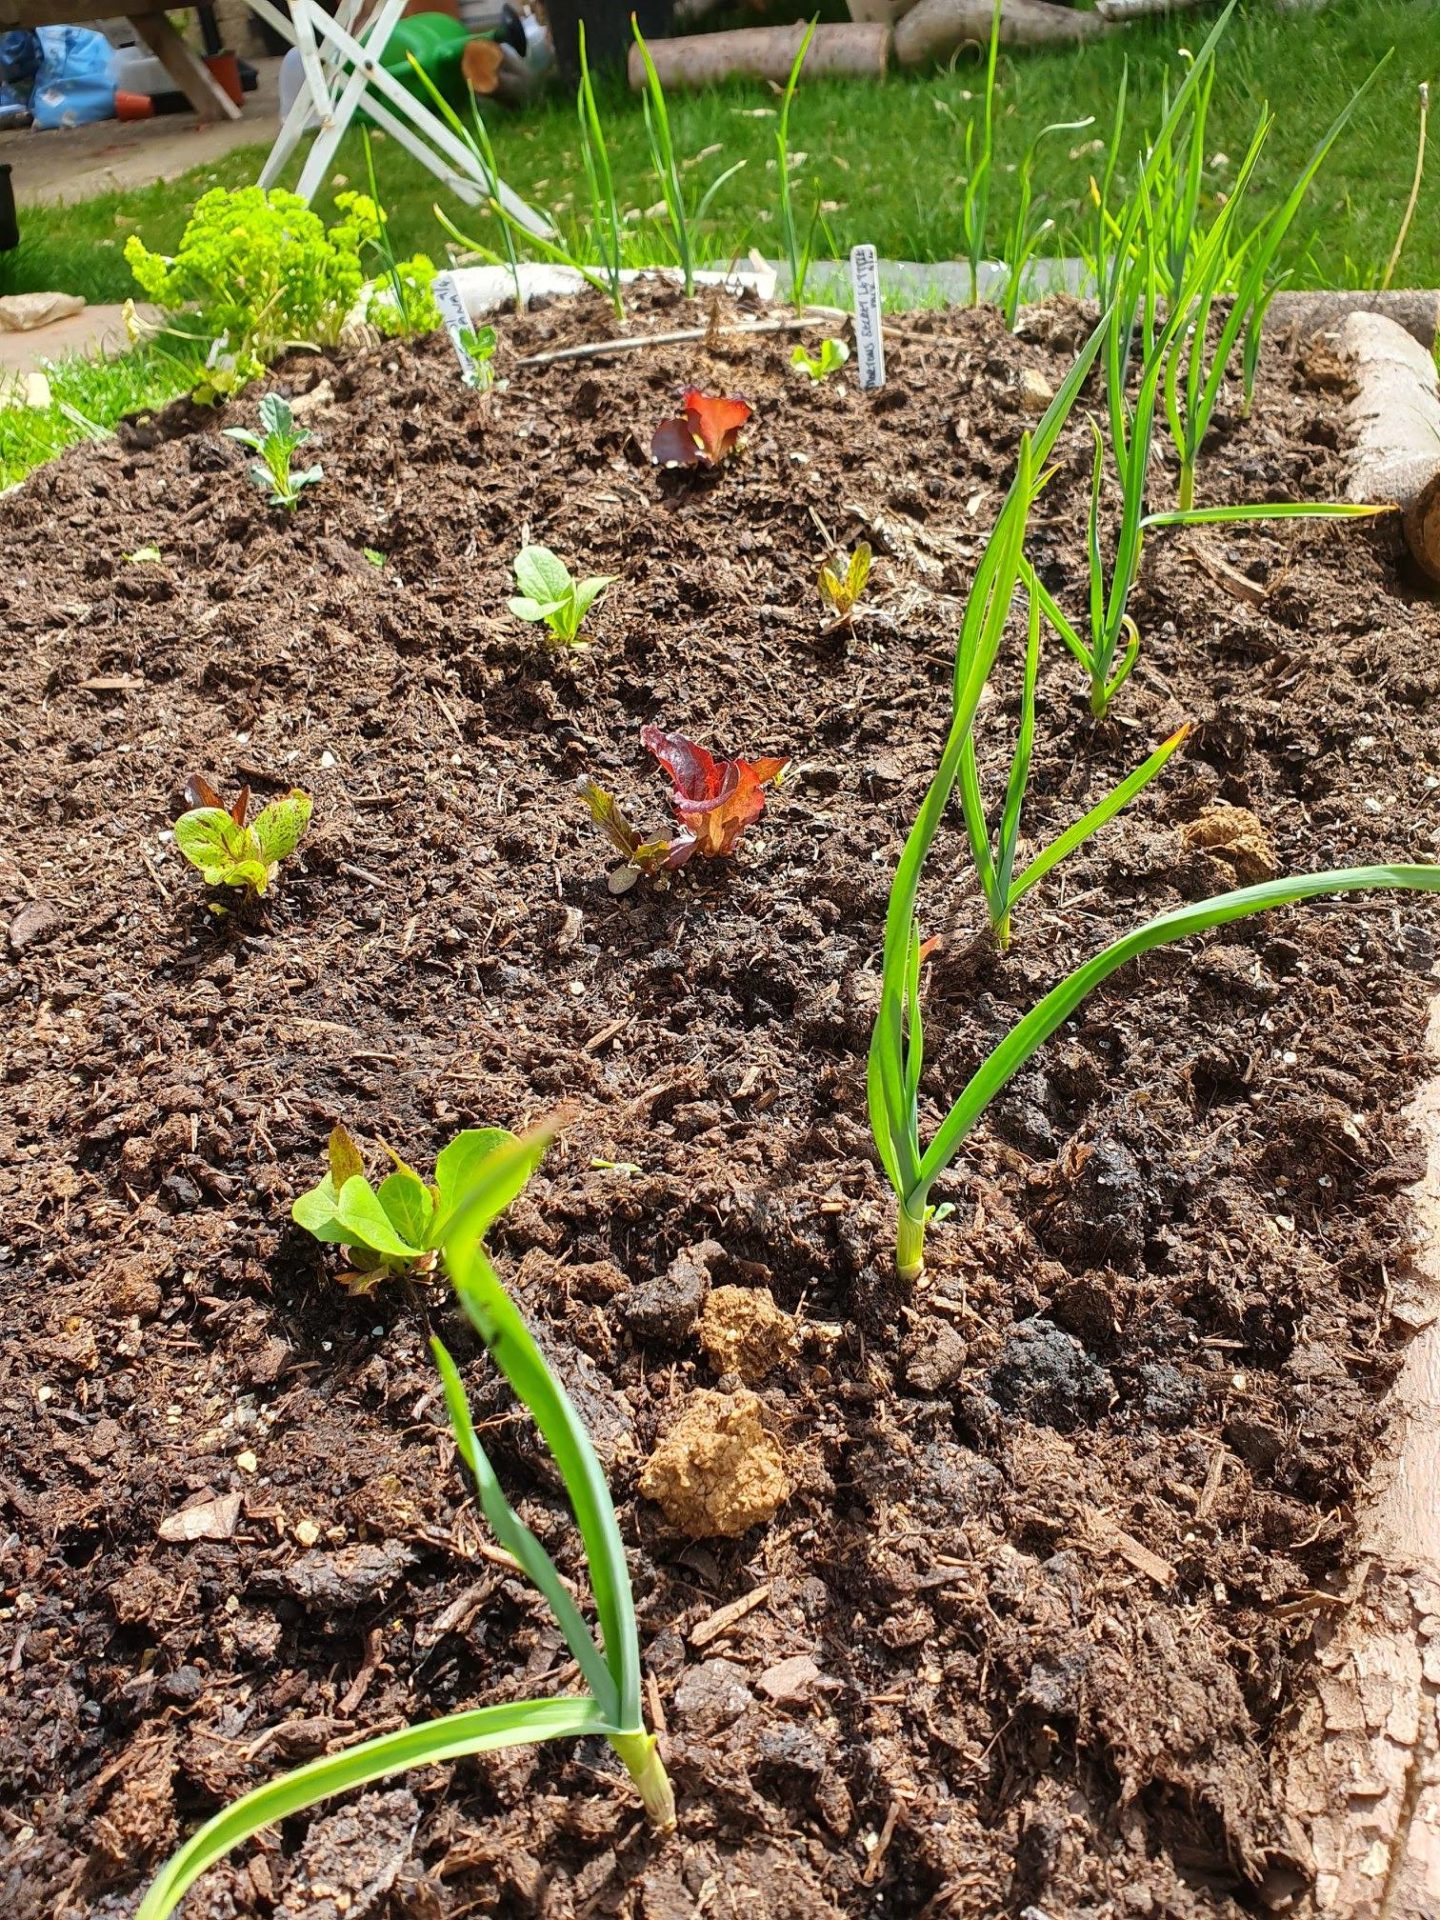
(75,83)
(19,62)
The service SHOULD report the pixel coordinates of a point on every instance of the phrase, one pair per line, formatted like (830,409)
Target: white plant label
(869,340)
(458,323)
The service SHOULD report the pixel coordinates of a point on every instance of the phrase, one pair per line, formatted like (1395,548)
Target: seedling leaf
(408,1206)
(367,1224)
(278,828)
(460,1167)
(542,577)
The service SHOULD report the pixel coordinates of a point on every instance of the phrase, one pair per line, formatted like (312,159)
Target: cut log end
(1394,420)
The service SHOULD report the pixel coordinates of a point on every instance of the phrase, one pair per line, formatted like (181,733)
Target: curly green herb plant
(610,1708)
(254,274)
(550,594)
(399,1226)
(994,855)
(229,848)
(276,444)
(832,356)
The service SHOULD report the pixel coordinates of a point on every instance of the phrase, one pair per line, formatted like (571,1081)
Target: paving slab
(70,164)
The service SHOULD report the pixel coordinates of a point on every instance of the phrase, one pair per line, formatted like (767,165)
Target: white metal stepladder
(342,76)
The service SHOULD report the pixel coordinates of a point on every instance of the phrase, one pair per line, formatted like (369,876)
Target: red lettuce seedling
(705,433)
(714,801)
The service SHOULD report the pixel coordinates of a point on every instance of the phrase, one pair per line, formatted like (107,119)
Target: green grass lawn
(886,159)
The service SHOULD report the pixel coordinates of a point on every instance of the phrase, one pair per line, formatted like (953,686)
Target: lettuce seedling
(842,581)
(548,593)
(398,1226)
(275,444)
(705,433)
(610,1703)
(819,366)
(714,801)
(231,851)
(478,345)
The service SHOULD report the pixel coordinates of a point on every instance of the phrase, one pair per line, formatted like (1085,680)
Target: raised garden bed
(1030,1627)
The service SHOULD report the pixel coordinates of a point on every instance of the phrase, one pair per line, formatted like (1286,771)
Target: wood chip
(215,1518)
(1104,1533)
(725,1617)
(111,683)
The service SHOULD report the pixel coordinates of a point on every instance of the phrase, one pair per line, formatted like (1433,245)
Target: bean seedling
(819,366)
(232,850)
(610,1668)
(550,594)
(276,444)
(842,580)
(398,1226)
(713,800)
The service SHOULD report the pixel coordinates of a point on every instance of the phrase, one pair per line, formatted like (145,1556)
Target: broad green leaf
(493,1315)
(481,1730)
(525,608)
(318,1212)
(858,572)
(587,591)
(408,1207)
(245,437)
(542,577)
(367,1224)
(512,1533)
(276,417)
(460,1168)
(210,840)
(278,828)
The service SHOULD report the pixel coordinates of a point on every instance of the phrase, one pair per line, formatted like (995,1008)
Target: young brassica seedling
(232,850)
(549,594)
(276,444)
(399,1226)
(610,1668)
(819,366)
(842,580)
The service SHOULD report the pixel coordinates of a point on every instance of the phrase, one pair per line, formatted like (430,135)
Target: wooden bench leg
(189,73)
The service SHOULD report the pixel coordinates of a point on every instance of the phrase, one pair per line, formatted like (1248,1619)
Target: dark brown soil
(1062,1522)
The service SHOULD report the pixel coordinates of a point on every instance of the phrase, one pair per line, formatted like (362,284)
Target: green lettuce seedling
(398,1226)
(819,366)
(275,446)
(842,581)
(479,346)
(550,594)
(232,851)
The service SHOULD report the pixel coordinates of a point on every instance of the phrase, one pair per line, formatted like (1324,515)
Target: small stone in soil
(667,1307)
(712,1695)
(1046,1376)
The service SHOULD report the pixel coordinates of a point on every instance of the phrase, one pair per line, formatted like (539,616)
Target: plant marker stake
(448,298)
(869,342)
